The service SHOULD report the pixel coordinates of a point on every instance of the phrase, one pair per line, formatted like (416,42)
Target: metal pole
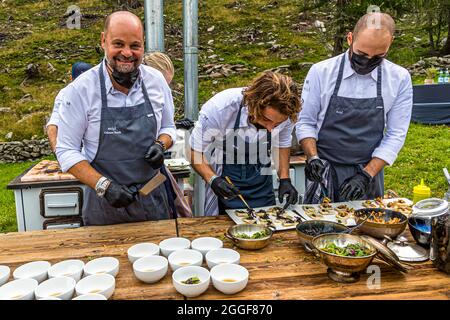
(190,41)
(154,25)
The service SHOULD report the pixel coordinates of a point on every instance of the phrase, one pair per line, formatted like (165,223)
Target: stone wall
(19,151)
(419,68)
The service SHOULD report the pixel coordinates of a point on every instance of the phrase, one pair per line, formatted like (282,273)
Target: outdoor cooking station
(282,270)
(53,204)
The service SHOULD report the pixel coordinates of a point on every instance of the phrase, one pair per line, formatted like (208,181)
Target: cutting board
(46,170)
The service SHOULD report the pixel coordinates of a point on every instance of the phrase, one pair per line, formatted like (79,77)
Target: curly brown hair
(275,90)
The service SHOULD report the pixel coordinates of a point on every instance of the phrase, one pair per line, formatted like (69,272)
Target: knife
(152,184)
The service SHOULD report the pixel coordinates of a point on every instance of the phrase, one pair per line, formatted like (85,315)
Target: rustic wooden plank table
(283,270)
(87,243)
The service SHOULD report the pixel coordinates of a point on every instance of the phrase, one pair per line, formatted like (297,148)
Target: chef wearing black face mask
(122,113)
(355,116)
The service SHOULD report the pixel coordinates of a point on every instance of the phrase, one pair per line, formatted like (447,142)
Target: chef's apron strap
(340,76)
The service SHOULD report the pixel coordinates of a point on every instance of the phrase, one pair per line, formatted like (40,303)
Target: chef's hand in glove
(185,123)
(155,156)
(354,188)
(223,189)
(118,195)
(314,169)
(286,188)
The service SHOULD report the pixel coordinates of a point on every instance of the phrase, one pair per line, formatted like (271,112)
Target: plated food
(399,204)
(273,217)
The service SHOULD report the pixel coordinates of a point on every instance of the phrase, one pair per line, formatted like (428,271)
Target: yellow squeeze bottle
(421,192)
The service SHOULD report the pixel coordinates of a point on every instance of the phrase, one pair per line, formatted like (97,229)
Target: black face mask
(363,65)
(124,79)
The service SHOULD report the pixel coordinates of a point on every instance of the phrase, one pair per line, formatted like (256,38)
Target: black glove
(223,189)
(314,170)
(155,156)
(185,123)
(286,187)
(118,195)
(355,187)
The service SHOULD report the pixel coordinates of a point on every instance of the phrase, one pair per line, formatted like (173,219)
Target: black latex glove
(118,195)
(223,189)
(185,123)
(286,188)
(155,156)
(355,187)
(314,170)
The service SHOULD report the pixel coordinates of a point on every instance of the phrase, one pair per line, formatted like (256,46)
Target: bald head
(124,19)
(376,22)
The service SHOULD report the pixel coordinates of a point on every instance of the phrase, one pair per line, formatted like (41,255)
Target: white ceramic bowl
(222,255)
(92,296)
(184,258)
(59,287)
(229,278)
(206,244)
(68,268)
(150,269)
(191,290)
(103,265)
(36,270)
(173,244)
(5,272)
(21,289)
(49,298)
(141,250)
(103,284)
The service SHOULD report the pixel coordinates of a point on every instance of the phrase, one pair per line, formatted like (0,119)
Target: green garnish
(351,250)
(256,235)
(191,280)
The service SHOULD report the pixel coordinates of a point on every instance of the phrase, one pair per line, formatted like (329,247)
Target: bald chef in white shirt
(122,113)
(233,138)
(355,115)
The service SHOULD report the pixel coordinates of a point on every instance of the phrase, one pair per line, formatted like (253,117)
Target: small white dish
(206,244)
(229,278)
(222,255)
(150,269)
(104,265)
(5,272)
(184,258)
(141,250)
(68,268)
(59,287)
(191,290)
(36,270)
(91,296)
(173,244)
(103,284)
(49,298)
(21,289)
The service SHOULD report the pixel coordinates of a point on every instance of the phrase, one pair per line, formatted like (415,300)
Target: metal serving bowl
(341,268)
(379,230)
(248,244)
(307,230)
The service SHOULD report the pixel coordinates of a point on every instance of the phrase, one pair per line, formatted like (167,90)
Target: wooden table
(87,243)
(282,270)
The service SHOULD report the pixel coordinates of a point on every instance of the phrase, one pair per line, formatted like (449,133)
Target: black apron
(352,129)
(256,188)
(126,133)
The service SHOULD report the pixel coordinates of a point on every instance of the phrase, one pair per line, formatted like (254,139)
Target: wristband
(161,144)
(313,158)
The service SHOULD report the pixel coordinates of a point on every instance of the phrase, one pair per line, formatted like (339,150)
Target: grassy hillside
(258,34)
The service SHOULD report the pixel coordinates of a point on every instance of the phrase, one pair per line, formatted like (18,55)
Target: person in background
(162,63)
(52,125)
(123,115)
(233,139)
(355,117)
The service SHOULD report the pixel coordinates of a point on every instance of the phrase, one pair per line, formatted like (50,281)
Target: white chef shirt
(54,118)
(80,111)
(217,118)
(396,91)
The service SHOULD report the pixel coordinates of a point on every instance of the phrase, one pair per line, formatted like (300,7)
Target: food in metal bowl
(381,222)
(350,250)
